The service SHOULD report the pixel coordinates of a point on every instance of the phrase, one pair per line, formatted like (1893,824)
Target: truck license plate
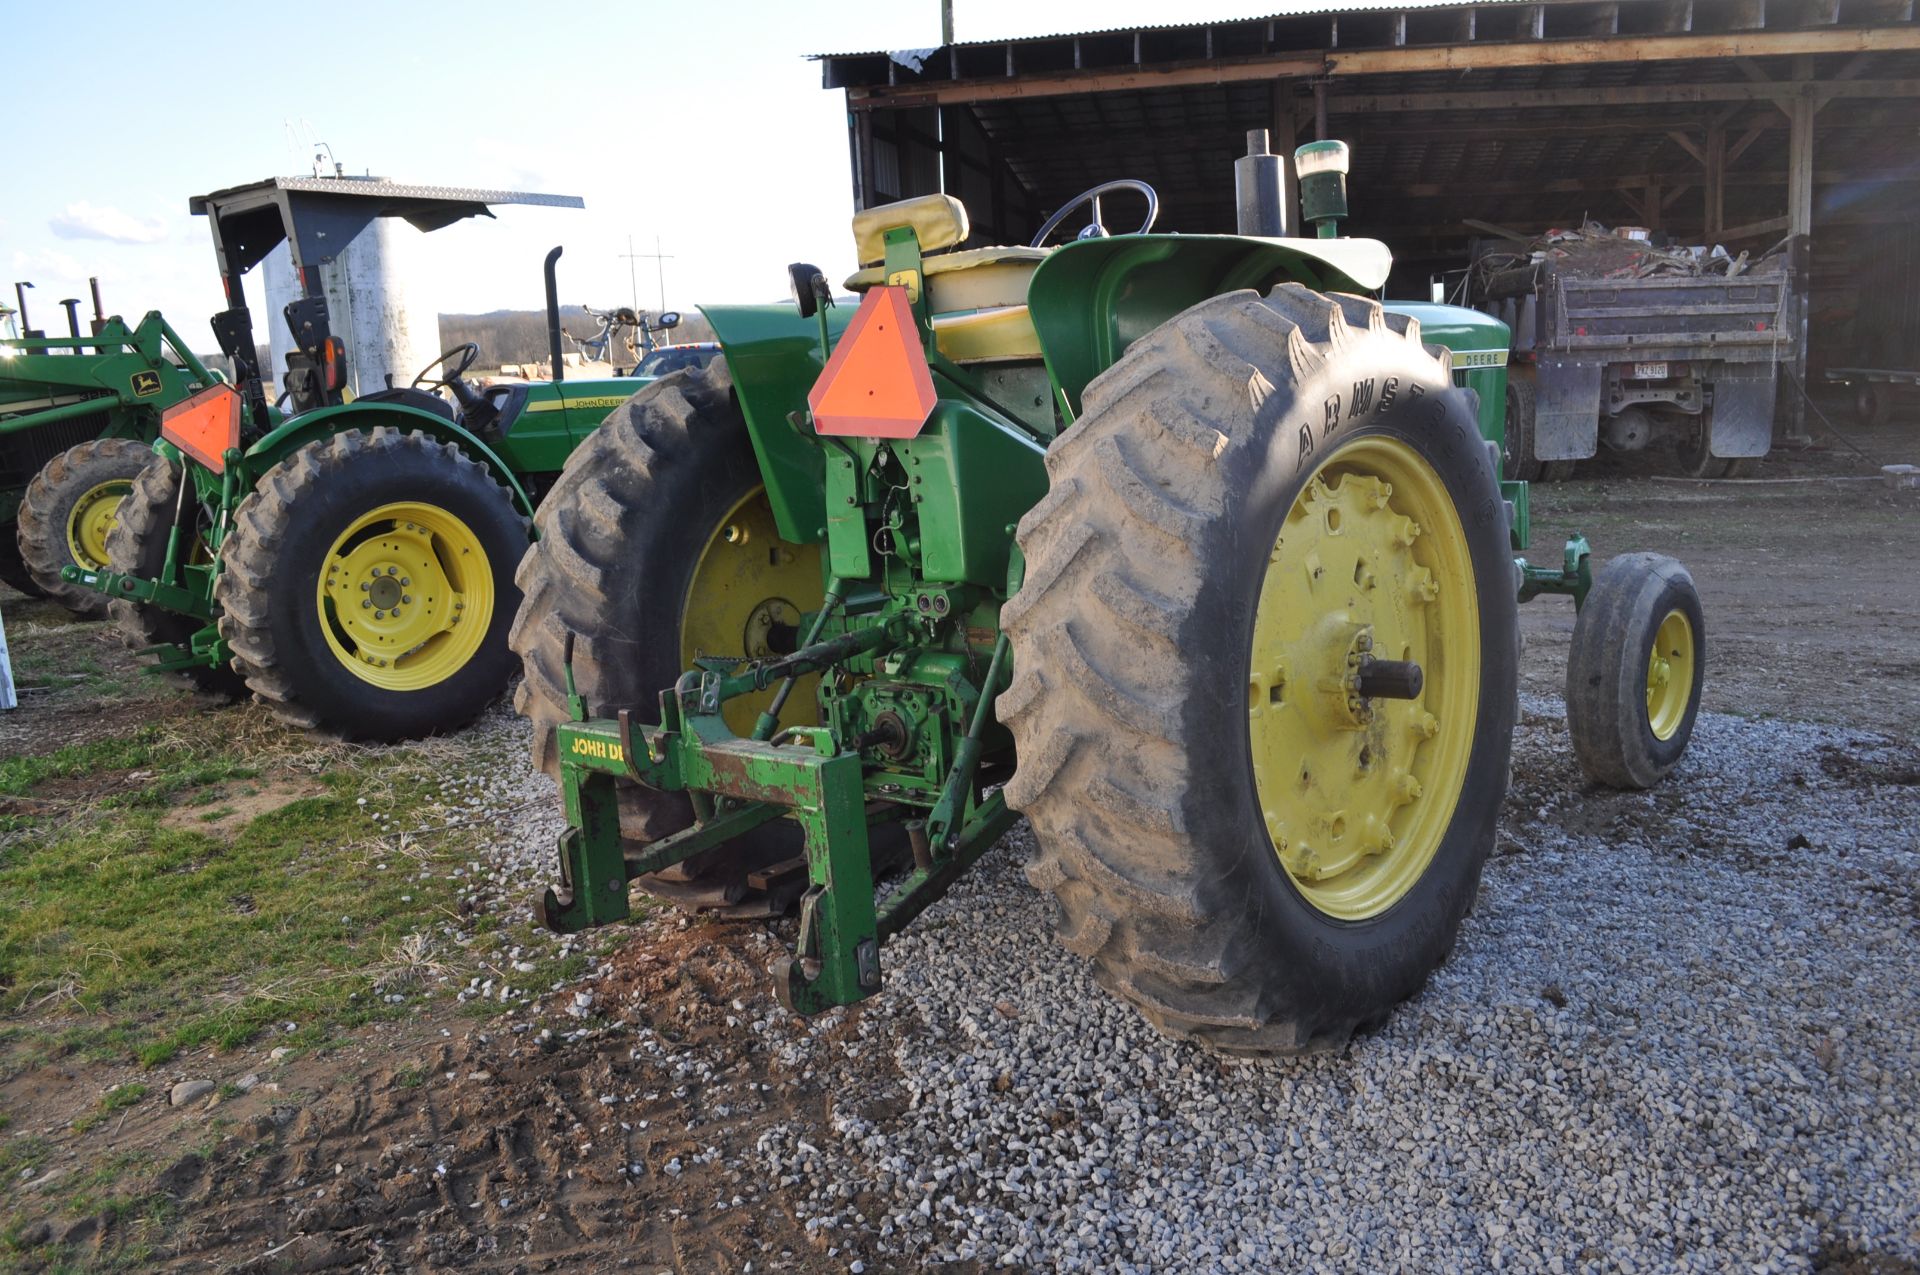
(1649,371)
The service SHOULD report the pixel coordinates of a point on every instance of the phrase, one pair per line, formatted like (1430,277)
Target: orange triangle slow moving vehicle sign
(205,425)
(877,384)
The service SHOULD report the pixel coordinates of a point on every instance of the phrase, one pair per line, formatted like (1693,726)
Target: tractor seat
(978,297)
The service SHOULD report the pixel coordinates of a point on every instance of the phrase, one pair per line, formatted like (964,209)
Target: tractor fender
(1092,298)
(325,422)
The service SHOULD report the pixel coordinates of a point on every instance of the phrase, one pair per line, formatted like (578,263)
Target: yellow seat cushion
(986,336)
(938,221)
(977,279)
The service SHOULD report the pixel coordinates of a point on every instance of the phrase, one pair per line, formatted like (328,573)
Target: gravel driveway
(1681,1032)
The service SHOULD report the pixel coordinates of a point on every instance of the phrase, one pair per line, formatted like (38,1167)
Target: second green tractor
(349,561)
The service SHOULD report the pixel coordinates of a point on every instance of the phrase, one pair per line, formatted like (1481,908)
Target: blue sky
(699,123)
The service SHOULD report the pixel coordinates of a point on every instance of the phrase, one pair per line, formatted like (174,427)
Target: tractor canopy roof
(320,216)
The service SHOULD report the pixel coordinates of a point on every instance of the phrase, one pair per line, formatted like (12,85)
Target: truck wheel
(1256,842)
(1634,674)
(1695,456)
(13,568)
(67,512)
(657,545)
(137,546)
(1872,405)
(367,586)
(1517,460)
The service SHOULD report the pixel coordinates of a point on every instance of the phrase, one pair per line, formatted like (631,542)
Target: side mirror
(671,319)
(808,286)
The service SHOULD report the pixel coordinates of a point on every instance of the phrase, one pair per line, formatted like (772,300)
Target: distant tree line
(520,336)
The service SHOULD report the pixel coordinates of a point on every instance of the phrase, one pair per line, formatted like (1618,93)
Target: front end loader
(1182,546)
(78,416)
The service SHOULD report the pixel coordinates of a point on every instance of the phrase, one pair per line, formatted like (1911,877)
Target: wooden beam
(1630,95)
(1065,83)
(1685,143)
(1657,48)
(1501,232)
(1632,182)
(1389,61)
(1771,226)
(1751,136)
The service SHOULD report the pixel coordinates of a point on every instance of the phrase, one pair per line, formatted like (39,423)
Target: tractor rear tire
(1518,461)
(137,546)
(356,517)
(1635,671)
(622,536)
(68,512)
(13,568)
(1228,439)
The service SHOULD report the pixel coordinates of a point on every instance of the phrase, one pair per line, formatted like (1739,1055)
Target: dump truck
(1182,546)
(1615,358)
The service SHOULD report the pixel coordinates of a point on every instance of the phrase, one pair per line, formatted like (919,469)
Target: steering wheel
(1095,229)
(468,353)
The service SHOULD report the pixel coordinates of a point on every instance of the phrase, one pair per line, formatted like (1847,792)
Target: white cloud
(84,221)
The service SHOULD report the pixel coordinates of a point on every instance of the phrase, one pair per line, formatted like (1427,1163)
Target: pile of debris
(1594,251)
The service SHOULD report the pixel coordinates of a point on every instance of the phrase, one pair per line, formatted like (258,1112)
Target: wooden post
(1286,136)
(1800,115)
(1320,110)
(1714,157)
(863,157)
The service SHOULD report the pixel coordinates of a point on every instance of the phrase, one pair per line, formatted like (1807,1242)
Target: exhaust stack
(1259,189)
(559,369)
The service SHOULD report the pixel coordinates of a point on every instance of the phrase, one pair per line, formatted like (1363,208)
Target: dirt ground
(608,1124)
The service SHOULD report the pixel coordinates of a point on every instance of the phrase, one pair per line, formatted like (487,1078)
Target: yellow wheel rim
(1371,563)
(747,581)
(406,595)
(92,518)
(1670,675)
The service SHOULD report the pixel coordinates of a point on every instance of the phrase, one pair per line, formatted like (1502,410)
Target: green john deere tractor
(348,561)
(1182,546)
(78,415)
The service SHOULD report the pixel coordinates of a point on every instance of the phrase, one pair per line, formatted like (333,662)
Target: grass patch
(161,938)
(118,1098)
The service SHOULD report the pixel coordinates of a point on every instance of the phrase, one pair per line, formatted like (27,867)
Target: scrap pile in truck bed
(1595,252)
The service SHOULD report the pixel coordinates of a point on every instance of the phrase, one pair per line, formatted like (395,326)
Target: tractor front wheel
(1634,674)
(69,510)
(367,586)
(1264,670)
(137,546)
(658,546)
(13,568)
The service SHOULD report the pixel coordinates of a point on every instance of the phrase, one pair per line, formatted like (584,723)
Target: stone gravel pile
(1681,1032)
